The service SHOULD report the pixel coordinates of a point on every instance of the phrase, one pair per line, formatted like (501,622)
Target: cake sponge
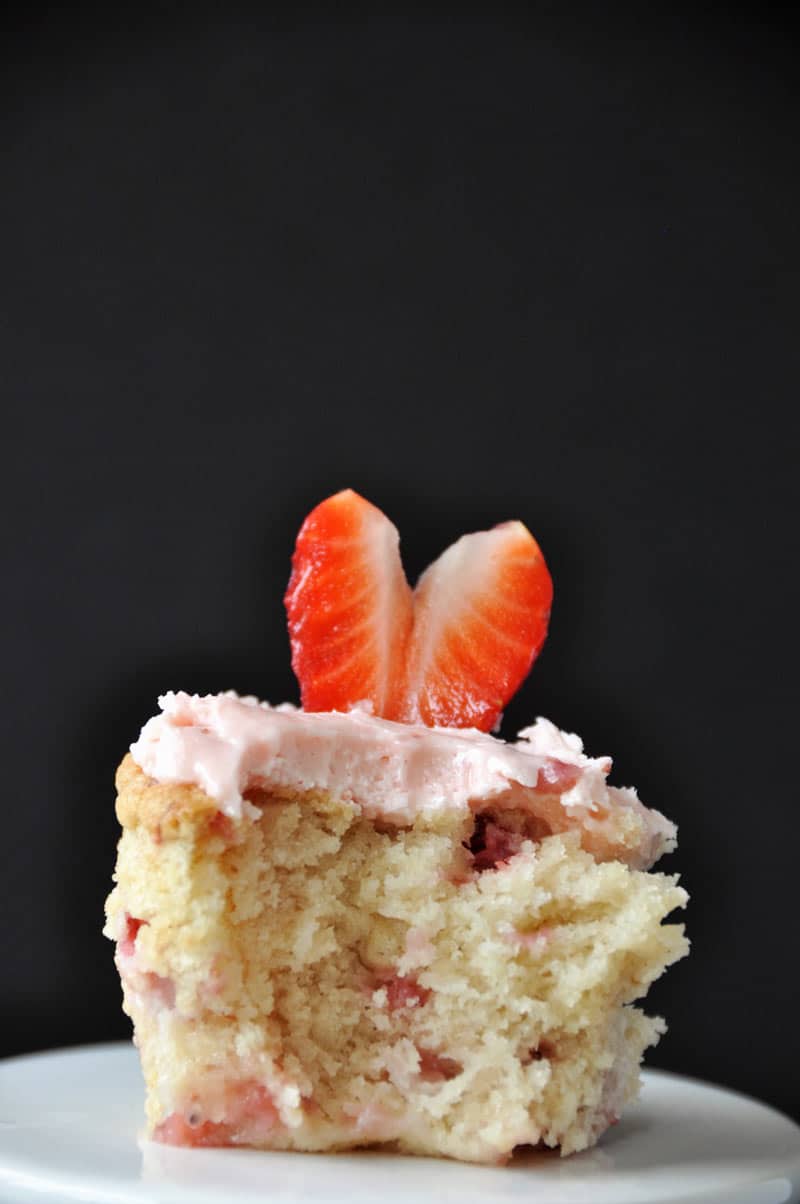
(305,971)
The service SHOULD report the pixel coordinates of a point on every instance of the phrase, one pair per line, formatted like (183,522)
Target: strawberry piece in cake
(335,928)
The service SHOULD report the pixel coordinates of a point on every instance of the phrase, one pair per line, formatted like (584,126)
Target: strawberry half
(452,654)
(480,619)
(349,606)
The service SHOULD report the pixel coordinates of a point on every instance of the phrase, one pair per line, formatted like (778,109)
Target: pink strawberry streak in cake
(151,989)
(249,1114)
(393,771)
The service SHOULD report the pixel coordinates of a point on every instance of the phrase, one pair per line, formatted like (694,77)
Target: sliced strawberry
(480,619)
(349,606)
(452,654)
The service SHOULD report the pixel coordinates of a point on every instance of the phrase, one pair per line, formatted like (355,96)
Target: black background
(529,263)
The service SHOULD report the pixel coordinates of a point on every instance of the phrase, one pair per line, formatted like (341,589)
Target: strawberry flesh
(250,1116)
(127,942)
(349,606)
(451,654)
(403,990)
(480,619)
(492,845)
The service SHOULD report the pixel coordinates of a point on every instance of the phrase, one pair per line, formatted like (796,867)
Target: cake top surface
(395,772)
(400,690)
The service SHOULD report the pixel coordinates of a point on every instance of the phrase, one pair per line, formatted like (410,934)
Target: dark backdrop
(539,264)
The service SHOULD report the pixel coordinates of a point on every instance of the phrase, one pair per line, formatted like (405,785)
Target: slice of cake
(338,927)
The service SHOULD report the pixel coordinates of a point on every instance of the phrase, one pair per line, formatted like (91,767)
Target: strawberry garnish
(349,606)
(480,619)
(450,655)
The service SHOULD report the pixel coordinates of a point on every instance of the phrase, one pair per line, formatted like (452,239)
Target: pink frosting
(393,771)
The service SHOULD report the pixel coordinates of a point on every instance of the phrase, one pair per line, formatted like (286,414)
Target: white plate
(69,1123)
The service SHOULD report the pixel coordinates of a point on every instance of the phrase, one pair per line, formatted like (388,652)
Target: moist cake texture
(336,930)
